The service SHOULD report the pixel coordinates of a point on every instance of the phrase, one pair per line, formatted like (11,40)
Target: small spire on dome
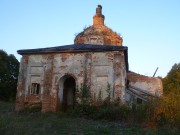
(98,18)
(99,10)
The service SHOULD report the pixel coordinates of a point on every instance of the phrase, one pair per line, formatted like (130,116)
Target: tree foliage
(9,68)
(171,82)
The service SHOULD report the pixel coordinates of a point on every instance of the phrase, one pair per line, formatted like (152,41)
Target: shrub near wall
(167,111)
(108,109)
(162,111)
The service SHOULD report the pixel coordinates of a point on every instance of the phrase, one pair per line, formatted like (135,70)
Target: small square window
(35,88)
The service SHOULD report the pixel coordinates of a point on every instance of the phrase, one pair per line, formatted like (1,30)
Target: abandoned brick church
(50,76)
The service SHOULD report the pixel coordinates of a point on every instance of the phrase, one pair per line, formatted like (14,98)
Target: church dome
(98,33)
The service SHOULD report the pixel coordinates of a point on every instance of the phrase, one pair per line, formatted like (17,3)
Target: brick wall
(150,84)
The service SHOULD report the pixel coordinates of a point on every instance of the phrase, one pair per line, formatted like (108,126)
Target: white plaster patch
(102,86)
(35,79)
(36,70)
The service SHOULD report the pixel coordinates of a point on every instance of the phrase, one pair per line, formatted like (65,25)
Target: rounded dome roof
(98,33)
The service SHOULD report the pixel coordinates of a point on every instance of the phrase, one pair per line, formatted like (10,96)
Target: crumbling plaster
(152,85)
(93,68)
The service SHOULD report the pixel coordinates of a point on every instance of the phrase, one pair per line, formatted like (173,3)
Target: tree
(171,82)
(9,68)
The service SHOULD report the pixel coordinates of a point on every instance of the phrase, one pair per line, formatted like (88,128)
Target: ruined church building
(50,76)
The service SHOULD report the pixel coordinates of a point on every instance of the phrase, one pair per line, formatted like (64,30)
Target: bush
(163,111)
(82,110)
(167,111)
(31,108)
(113,112)
(106,109)
(142,112)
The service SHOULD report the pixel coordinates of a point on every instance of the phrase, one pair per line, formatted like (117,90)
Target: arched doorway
(67,92)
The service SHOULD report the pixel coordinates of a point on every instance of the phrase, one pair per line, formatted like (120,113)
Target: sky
(150,28)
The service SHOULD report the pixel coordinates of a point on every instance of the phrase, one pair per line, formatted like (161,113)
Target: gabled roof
(75,48)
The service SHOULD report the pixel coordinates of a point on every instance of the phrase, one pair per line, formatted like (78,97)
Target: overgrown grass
(31,122)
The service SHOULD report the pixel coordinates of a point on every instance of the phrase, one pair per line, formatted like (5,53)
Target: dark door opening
(68,93)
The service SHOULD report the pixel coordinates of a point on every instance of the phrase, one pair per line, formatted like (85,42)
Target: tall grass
(163,111)
(32,122)
(105,119)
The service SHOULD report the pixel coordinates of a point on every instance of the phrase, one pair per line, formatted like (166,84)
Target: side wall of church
(152,85)
(96,70)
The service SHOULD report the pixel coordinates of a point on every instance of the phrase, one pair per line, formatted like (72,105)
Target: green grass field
(37,123)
